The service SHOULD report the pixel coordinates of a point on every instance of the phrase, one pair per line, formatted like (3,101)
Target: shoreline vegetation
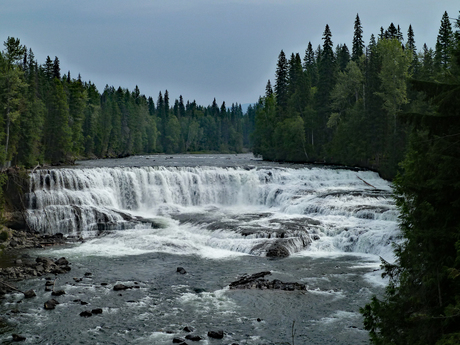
(384,106)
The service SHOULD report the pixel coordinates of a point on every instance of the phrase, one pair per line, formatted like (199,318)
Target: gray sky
(200,49)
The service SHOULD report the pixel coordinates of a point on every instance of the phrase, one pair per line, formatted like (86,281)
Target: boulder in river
(181,270)
(119,287)
(51,304)
(29,294)
(18,337)
(193,337)
(58,293)
(86,313)
(216,334)
(256,281)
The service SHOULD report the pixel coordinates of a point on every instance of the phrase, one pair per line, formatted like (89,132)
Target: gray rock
(51,304)
(181,270)
(216,334)
(86,313)
(29,294)
(18,337)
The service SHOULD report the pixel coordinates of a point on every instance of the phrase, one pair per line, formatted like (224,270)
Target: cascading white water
(341,209)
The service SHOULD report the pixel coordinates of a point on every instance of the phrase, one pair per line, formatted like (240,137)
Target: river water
(218,217)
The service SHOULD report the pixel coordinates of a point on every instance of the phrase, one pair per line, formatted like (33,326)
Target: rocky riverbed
(17,265)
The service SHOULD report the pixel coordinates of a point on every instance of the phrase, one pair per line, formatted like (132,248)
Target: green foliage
(421,304)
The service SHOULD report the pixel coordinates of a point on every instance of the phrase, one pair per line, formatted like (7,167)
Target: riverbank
(17,265)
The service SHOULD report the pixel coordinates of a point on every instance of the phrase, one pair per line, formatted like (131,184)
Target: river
(218,217)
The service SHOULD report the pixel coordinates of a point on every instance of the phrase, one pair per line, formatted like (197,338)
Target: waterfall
(338,204)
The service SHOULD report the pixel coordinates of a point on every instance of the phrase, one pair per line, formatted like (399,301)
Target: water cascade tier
(268,212)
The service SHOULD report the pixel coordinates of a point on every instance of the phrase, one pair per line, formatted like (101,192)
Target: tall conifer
(358,42)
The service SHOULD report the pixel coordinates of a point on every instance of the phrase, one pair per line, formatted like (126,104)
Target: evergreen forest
(52,118)
(342,106)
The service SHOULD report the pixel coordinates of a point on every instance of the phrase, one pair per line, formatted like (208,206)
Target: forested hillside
(51,117)
(337,105)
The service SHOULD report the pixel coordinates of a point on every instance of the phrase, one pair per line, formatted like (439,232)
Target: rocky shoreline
(17,265)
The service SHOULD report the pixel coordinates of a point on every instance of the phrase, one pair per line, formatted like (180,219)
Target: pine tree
(58,135)
(281,84)
(12,88)
(310,64)
(411,41)
(268,89)
(327,75)
(342,56)
(444,42)
(49,68)
(358,43)
(56,68)
(392,32)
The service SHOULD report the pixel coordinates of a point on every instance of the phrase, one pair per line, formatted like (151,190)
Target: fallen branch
(366,182)
(11,287)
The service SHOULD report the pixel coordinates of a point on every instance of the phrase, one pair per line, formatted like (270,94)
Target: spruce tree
(358,42)
(310,64)
(56,68)
(327,75)
(444,42)
(281,84)
(268,89)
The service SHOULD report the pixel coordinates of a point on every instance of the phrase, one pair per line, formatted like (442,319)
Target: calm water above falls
(218,216)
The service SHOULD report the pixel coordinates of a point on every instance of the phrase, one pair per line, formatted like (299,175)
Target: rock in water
(178,341)
(96,311)
(29,294)
(216,334)
(256,281)
(277,251)
(61,262)
(193,337)
(86,313)
(18,337)
(58,293)
(51,304)
(181,270)
(120,287)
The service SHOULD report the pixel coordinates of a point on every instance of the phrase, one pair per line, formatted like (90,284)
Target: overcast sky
(200,49)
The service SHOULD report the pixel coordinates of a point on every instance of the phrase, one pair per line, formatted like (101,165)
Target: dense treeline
(342,106)
(52,118)
(421,304)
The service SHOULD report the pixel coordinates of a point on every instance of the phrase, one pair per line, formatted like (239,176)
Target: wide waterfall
(295,208)
(134,221)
